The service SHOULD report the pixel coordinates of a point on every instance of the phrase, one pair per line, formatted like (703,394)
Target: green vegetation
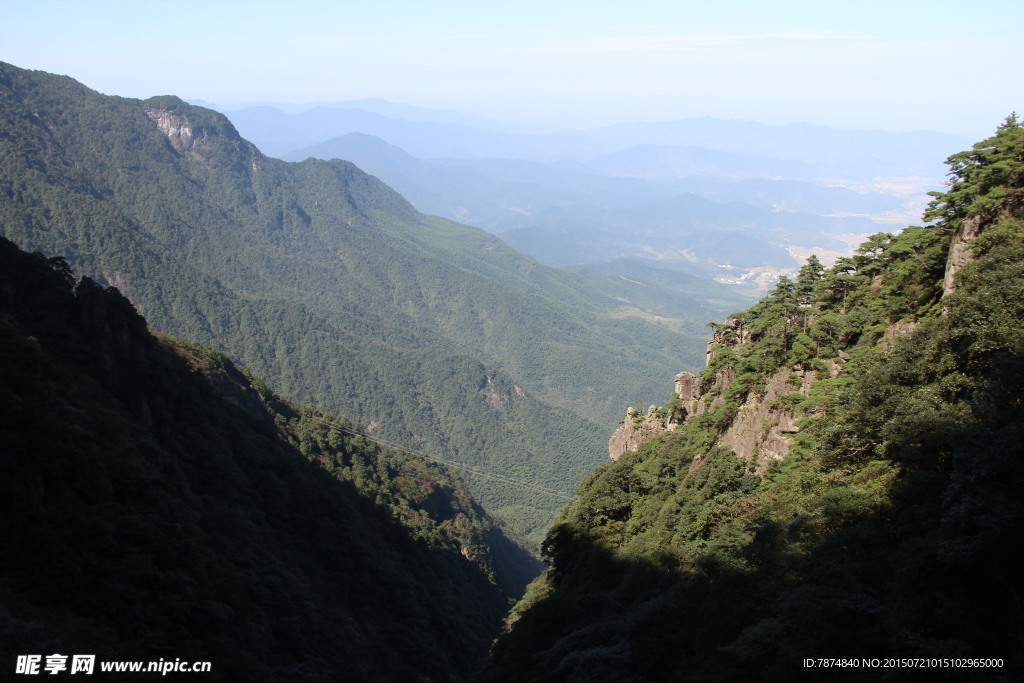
(156,501)
(333,288)
(889,530)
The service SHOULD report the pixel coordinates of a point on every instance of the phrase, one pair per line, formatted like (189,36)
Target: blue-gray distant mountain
(277,133)
(791,195)
(667,162)
(493,194)
(423,135)
(909,153)
(686,233)
(614,205)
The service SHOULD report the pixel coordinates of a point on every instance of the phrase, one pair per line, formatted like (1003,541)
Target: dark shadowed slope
(157,502)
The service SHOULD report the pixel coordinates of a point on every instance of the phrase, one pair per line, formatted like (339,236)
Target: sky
(897,65)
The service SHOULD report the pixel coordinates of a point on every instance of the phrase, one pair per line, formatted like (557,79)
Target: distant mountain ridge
(571,218)
(912,151)
(279,133)
(549,195)
(373,105)
(493,194)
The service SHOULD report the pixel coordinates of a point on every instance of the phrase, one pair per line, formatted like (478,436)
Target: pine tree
(984,179)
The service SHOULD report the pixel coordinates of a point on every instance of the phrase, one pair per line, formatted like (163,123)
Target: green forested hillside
(886,529)
(330,285)
(155,501)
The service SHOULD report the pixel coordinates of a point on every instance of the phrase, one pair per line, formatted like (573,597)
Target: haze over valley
(489,343)
(734,201)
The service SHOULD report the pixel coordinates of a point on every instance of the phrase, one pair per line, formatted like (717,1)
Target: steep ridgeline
(844,482)
(331,286)
(156,502)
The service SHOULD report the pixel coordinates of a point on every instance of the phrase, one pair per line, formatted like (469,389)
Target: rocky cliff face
(759,431)
(198,134)
(635,430)
(959,252)
(686,399)
(176,127)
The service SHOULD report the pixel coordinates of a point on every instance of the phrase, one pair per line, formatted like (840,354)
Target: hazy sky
(894,65)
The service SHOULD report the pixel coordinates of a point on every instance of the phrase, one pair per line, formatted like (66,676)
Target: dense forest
(157,501)
(884,527)
(841,486)
(329,285)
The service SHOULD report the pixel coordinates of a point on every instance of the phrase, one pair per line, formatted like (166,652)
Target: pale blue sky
(896,65)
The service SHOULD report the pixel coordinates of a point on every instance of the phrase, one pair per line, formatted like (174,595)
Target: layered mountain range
(839,483)
(329,284)
(731,200)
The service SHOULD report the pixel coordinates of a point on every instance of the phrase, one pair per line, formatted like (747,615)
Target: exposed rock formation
(758,432)
(496,400)
(193,132)
(688,393)
(959,251)
(635,430)
(176,127)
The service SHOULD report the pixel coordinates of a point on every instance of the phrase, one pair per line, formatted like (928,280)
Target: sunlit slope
(330,285)
(841,481)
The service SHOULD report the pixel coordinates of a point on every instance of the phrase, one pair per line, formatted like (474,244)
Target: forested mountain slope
(842,481)
(157,502)
(331,286)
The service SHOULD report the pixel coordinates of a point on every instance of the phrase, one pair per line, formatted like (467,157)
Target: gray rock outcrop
(635,430)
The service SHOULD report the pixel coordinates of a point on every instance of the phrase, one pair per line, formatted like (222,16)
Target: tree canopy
(887,530)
